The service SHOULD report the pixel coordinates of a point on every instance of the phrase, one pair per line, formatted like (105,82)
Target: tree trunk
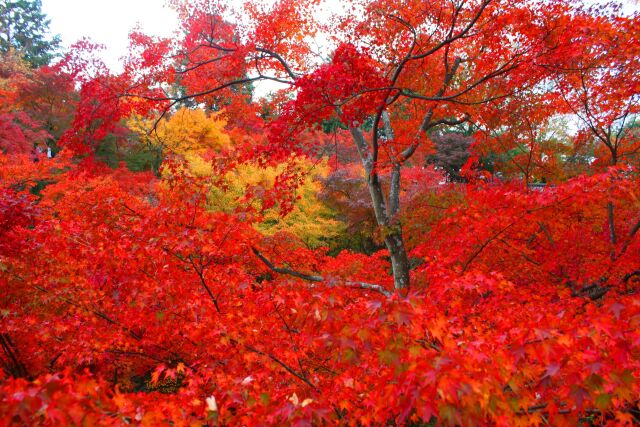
(386,219)
(392,229)
(399,259)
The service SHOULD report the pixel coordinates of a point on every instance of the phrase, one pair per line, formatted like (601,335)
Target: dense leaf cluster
(409,234)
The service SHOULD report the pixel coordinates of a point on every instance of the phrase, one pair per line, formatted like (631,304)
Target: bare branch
(200,272)
(311,278)
(15,367)
(633,232)
(287,271)
(371,286)
(504,68)
(363,148)
(194,95)
(280,59)
(612,230)
(289,369)
(457,36)
(628,276)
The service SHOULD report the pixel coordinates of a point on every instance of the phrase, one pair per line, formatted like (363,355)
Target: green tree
(25,28)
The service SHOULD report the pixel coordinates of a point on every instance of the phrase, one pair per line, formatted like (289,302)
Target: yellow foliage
(310,220)
(189,134)
(185,132)
(197,165)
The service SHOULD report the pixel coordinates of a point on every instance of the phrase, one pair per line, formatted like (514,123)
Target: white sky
(108,22)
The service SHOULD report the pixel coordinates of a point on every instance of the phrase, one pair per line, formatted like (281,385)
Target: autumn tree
(189,134)
(20,130)
(599,84)
(451,152)
(153,299)
(520,142)
(396,72)
(127,301)
(201,144)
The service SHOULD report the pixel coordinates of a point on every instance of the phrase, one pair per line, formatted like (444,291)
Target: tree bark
(399,259)
(386,219)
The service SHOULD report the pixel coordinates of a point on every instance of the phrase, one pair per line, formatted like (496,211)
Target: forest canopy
(432,219)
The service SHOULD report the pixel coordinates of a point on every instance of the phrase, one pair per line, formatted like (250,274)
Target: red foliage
(129,295)
(20,134)
(125,300)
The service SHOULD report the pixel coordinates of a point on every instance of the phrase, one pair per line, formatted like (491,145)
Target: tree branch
(459,35)
(312,278)
(612,230)
(371,286)
(200,273)
(280,59)
(484,245)
(633,232)
(18,370)
(286,271)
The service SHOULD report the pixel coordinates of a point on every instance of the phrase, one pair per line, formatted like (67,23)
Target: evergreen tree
(24,28)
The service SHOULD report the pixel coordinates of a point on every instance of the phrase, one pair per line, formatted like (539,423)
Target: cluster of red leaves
(15,215)
(126,301)
(343,84)
(580,232)
(68,398)
(107,99)
(347,88)
(127,304)
(19,133)
(213,55)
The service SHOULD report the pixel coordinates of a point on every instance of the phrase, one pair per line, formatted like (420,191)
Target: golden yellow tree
(311,220)
(190,134)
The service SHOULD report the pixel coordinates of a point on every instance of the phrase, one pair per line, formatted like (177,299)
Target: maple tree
(599,85)
(334,253)
(39,104)
(379,52)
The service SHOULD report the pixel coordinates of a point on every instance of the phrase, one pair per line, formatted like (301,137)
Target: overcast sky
(108,22)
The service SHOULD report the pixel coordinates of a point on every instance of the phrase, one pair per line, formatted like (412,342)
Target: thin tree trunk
(386,219)
(399,259)
(394,240)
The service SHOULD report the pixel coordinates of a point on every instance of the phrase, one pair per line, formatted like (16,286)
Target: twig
(633,232)
(484,245)
(200,273)
(628,276)
(612,230)
(18,370)
(292,371)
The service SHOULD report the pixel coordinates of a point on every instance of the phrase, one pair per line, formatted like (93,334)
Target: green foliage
(143,158)
(137,156)
(24,28)
(107,151)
